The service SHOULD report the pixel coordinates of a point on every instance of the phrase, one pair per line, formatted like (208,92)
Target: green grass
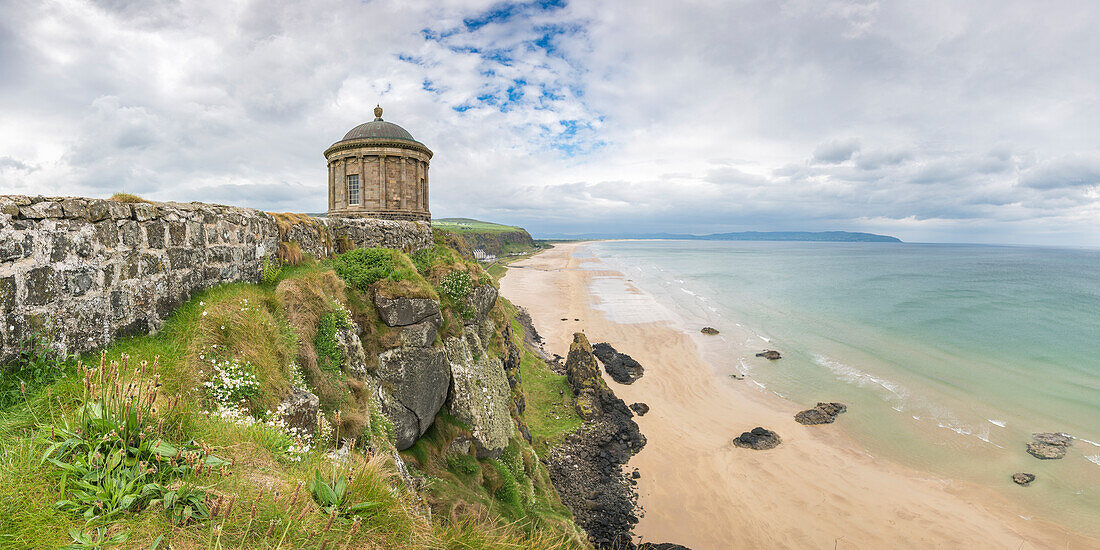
(263,325)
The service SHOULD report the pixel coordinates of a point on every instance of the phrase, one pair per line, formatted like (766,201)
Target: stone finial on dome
(377,112)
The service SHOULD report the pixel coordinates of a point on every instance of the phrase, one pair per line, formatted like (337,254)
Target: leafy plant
(115,450)
(363,267)
(456,285)
(181,504)
(333,496)
(86,541)
(270,270)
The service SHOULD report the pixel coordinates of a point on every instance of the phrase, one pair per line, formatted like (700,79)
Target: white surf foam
(1000,423)
(1095,459)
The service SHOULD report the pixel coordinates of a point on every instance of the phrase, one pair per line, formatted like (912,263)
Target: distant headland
(809,236)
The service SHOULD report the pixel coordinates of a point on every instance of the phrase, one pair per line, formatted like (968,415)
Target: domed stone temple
(378,171)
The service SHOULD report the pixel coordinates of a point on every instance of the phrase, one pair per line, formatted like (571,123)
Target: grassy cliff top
(465,225)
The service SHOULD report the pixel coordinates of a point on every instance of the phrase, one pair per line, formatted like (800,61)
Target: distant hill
(493,238)
(808,236)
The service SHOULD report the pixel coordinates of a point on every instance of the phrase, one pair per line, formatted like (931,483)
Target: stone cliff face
(417,378)
(495,242)
(96,270)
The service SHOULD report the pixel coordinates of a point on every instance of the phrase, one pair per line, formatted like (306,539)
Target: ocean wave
(1000,423)
(1095,459)
(852,375)
(684,290)
(762,386)
(1093,443)
(981,433)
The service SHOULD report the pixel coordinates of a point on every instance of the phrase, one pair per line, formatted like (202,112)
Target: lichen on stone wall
(93,270)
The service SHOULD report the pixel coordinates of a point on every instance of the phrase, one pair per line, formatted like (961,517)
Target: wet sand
(816,490)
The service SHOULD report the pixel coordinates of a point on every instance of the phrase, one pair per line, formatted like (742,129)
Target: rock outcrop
(482,299)
(621,367)
(480,393)
(587,467)
(1022,478)
(1049,446)
(661,546)
(770,355)
(639,408)
(711,331)
(758,439)
(823,413)
(401,312)
(414,386)
(298,412)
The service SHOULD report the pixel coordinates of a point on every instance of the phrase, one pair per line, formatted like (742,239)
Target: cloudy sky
(932,121)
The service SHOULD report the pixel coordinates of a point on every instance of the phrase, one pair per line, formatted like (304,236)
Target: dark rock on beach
(621,367)
(661,546)
(1049,446)
(770,355)
(1022,478)
(587,468)
(639,408)
(823,413)
(709,330)
(1060,439)
(758,439)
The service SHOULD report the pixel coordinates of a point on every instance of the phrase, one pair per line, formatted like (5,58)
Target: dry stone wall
(92,270)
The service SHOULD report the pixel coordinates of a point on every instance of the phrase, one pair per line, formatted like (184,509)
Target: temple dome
(379,129)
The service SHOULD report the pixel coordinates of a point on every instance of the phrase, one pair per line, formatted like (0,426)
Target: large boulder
(622,367)
(414,386)
(770,355)
(583,374)
(479,394)
(758,439)
(1048,446)
(1045,451)
(401,312)
(1023,478)
(823,413)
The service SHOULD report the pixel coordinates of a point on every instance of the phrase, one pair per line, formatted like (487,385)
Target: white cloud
(926,121)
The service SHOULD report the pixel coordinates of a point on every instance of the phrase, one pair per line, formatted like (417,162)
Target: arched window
(353,189)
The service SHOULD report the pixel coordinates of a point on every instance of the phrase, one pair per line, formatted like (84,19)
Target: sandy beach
(816,490)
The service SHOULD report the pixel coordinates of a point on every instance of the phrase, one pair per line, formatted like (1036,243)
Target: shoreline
(816,490)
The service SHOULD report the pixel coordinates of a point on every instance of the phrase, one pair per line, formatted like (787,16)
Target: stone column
(404,181)
(331,187)
(339,172)
(382,180)
(427,184)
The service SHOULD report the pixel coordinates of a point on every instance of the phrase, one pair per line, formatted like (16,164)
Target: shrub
(456,286)
(363,267)
(329,355)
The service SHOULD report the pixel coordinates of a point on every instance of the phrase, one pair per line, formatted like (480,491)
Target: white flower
(204,313)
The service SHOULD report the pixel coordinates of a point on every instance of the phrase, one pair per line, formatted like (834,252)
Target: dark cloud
(836,151)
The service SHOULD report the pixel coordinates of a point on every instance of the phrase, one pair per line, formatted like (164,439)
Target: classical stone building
(378,171)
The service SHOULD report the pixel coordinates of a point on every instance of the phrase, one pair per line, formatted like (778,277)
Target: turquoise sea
(949,356)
